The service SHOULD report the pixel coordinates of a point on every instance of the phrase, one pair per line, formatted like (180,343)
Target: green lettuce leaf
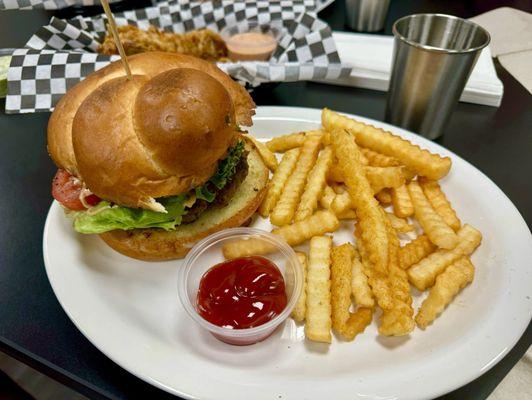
(105,217)
(225,171)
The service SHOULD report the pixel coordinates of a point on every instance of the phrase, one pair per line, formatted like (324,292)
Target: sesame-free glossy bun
(157,134)
(185,119)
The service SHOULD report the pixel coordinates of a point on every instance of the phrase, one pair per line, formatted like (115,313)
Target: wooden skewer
(114,31)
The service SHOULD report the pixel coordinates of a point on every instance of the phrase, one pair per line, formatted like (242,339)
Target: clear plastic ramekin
(255,51)
(208,252)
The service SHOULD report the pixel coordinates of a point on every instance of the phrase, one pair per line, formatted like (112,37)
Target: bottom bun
(157,244)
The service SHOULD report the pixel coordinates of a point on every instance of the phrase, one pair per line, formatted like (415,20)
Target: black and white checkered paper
(46,4)
(62,53)
(58,4)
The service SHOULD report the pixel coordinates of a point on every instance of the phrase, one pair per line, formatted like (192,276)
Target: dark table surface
(33,326)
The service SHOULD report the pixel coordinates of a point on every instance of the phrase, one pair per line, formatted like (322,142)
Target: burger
(156,161)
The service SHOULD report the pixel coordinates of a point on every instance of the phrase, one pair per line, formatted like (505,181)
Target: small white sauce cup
(209,252)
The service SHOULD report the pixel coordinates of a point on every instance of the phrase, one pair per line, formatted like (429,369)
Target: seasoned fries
(387,177)
(370,219)
(384,196)
(357,323)
(278,181)
(455,277)
(298,313)
(359,284)
(341,257)
(318,224)
(377,281)
(280,144)
(415,251)
(341,203)
(285,208)
(318,314)
(402,203)
(399,224)
(327,197)
(267,156)
(315,184)
(379,160)
(423,274)
(435,228)
(421,161)
(347,324)
(398,320)
(378,177)
(335,174)
(388,187)
(347,214)
(439,202)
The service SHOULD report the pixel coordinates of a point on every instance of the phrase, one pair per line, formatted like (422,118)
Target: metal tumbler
(366,15)
(434,55)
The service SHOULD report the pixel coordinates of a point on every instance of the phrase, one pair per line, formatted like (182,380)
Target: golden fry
(388,177)
(370,218)
(415,251)
(398,320)
(267,156)
(408,174)
(284,210)
(280,144)
(341,259)
(359,284)
(327,197)
(315,183)
(347,324)
(377,281)
(338,188)
(384,196)
(318,315)
(423,274)
(435,228)
(421,161)
(455,277)
(347,214)
(319,223)
(402,204)
(357,323)
(335,174)
(379,160)
(247,247)
(298,313)
(399,224)
(378,177)
(439,202)
(279,179)
(341,203)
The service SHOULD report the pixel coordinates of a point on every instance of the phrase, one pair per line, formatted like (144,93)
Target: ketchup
(241,293)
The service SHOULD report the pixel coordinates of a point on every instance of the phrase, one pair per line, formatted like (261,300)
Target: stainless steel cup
(366,15)
(434,55)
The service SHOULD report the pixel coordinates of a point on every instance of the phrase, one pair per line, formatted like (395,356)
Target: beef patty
(223,196)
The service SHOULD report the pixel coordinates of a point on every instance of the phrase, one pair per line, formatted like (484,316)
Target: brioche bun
(149,65)
(157,244)
(159,133)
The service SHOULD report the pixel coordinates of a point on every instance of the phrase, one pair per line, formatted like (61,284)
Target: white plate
(129,310)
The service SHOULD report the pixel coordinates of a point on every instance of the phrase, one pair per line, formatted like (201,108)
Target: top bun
(157,134)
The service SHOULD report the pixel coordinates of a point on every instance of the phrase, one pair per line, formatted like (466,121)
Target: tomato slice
(66,191)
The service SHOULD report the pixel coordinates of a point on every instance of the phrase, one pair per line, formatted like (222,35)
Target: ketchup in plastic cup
(272,281)
(241,293)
